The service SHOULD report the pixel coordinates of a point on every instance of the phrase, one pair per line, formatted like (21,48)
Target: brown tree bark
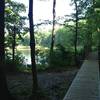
(76,31)
(4,93)
(52,35)
(14,44)
(32,48)
(53,29)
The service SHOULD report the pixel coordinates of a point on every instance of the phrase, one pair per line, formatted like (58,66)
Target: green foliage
(43,38)
(63,54)
(64,36)
(18,63)
(26,40)
(42,57)
(61,57)
(13,17)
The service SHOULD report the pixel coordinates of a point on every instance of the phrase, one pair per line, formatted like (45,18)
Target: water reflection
(26,54)
(40,59)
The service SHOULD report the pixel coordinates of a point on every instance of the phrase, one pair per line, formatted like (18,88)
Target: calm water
(26,54)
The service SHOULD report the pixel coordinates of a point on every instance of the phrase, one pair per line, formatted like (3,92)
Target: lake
(26,53)
(25,50)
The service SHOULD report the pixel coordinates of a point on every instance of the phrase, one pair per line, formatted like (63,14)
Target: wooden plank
(85,86)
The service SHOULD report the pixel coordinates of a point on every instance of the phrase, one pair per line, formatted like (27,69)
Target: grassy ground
(53,85)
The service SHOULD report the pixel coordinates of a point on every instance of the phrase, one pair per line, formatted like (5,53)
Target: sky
(43,8)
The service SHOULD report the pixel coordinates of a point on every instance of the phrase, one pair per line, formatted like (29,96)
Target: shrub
(61,57)
(17,64)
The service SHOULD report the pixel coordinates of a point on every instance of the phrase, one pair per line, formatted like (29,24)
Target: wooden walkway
(86,84)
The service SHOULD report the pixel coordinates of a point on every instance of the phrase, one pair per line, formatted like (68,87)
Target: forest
(38,61)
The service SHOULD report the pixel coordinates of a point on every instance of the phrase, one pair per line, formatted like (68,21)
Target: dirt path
(53,85)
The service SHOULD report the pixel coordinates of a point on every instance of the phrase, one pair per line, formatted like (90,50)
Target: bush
(42,57)
(64,57)
(61,57)
(17,64)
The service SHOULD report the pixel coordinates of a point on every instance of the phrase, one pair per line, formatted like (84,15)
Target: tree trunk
(53,29)
(89,35)
(32,47)
(76,32)
(4,93)
(99,52)
(2,52)
(52,35)
(13,47)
